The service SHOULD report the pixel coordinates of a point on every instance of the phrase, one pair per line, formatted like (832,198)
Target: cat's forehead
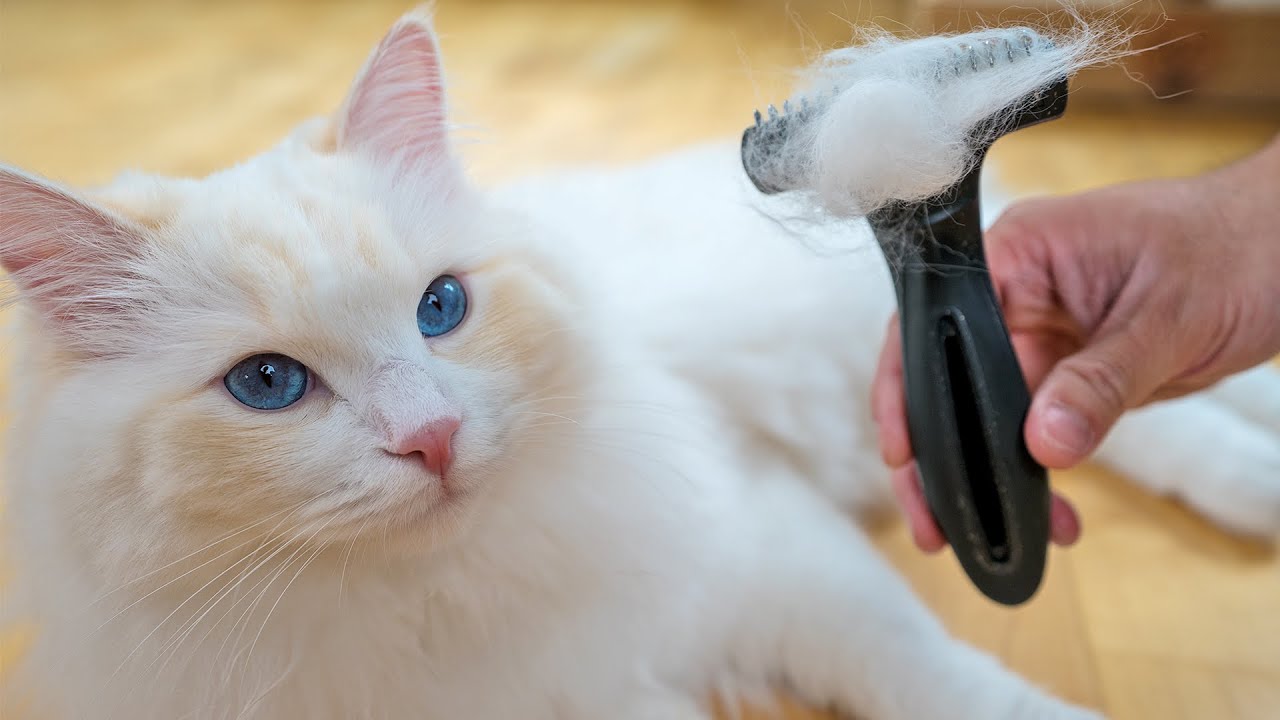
(307,245)
(308,206)
(307,221)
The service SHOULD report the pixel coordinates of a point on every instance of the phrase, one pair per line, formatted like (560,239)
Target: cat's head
(338,335)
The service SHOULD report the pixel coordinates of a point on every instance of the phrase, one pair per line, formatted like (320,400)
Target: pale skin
(1116,298)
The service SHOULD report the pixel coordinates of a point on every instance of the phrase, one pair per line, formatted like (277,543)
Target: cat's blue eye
(442,306)
(269,381)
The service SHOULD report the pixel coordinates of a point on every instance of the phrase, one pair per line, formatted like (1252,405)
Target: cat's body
(664,428)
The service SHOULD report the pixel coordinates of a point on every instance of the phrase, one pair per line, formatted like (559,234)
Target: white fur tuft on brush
(893,119)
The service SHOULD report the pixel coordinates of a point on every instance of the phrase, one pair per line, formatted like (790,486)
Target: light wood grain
(1153,615)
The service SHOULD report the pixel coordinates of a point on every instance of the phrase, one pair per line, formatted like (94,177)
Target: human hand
(1115,299)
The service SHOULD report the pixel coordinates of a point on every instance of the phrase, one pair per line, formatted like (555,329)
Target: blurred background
(187,86)
(1154,615)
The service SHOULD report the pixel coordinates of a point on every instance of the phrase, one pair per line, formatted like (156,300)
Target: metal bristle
(989,45)
(988,52)
(802,108)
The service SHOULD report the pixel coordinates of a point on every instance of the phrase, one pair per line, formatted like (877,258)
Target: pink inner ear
(397,106)
(42,225)
(70,259)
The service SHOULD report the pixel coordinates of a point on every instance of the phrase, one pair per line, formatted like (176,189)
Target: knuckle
(1107,378)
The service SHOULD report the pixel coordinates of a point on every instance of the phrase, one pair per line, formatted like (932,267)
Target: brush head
(894,120)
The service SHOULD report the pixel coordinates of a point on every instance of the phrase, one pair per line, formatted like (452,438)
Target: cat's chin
(428,520)
(445,503)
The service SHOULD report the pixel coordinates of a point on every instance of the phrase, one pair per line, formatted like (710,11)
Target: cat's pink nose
(433,440)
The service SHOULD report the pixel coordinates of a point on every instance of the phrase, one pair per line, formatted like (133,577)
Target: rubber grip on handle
(966,406)
(967,399)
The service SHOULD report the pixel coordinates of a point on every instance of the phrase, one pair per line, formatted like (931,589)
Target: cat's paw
(1242,492)
(1253,395)
(1203,452)
(1044,707)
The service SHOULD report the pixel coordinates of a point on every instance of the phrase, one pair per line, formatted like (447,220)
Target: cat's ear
(396,108)
(70,259)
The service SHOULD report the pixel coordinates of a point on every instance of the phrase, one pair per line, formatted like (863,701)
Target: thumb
(1085,394)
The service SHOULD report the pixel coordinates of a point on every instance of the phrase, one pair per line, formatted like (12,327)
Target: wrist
(1245,231)
(1243,196)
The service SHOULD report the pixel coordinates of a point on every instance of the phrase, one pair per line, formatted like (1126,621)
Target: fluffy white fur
(664,401)
(892,119)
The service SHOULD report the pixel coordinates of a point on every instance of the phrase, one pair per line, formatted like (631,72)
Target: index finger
(888,405)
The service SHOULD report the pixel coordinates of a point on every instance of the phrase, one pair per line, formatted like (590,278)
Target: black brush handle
(967,399)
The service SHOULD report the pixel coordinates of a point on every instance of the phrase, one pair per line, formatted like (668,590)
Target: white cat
(333,434)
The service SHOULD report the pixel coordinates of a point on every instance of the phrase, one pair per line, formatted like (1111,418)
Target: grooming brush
(966,397)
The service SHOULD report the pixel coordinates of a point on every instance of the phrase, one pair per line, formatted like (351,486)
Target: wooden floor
(1153,615)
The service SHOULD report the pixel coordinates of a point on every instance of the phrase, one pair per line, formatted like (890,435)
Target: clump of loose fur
(891,119)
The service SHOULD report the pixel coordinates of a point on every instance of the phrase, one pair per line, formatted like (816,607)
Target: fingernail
(1067,429)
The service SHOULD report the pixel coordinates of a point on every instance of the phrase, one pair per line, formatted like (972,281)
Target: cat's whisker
(218,595)
(143,598)
(228,588)
(586,443)
(165,620)
(179,635)
(194,553)
(315,554)
(170,649)
(551,332)
(625,433)
(253,702)
(200,613)
(545,414)
(346,556)
(227,591)
(613,403)
(545,424)
(538,400)
(386,542)
(613,431)
(161,658)
(244,614)
(291,509)
(243,621)
(232,566)
(665,411)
